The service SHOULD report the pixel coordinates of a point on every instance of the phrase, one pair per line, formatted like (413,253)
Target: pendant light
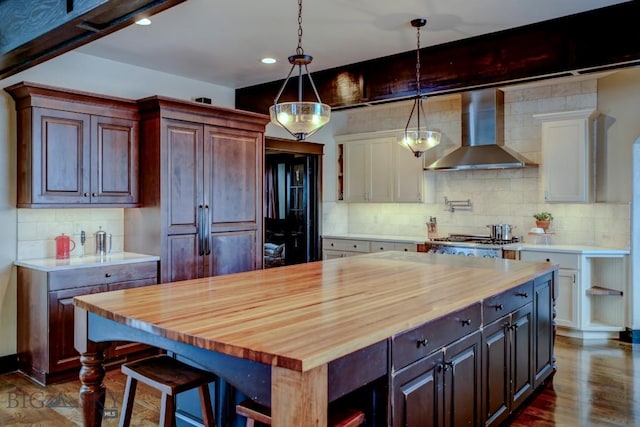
(301,119)
(414,138)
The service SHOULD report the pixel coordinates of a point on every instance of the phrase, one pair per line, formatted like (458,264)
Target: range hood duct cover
(482,136)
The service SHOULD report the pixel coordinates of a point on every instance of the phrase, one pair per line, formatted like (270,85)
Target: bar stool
(256,412)
(170,377)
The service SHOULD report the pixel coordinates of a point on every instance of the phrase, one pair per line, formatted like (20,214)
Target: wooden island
(456,338)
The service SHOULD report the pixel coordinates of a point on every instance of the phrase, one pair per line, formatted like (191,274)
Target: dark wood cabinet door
(417,393)
(184,173)
(543,315)
(462,382)
(183,259)
(114,160)
(231,252)
(59,169)
(521,354)
(496,366)
(62,353)
(182,201)
(233,200)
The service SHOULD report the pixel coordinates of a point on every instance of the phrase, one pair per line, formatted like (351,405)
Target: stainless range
(469,245)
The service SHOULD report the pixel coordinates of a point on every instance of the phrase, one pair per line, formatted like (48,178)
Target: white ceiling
(221,42)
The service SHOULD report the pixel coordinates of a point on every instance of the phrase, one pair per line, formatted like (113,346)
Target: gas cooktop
(473,239)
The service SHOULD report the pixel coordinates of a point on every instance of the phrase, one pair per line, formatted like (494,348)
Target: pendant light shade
(415,138)
(301,118)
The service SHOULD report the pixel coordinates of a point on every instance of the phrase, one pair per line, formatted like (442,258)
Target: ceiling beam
(577,44)
(33,31)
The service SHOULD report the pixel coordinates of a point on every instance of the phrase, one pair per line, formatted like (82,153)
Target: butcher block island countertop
(304,316)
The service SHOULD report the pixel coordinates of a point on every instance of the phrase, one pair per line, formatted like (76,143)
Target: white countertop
(377,237)
(53,264)
(576,249)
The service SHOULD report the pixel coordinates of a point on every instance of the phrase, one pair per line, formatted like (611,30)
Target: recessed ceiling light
(268,60)
(144,21)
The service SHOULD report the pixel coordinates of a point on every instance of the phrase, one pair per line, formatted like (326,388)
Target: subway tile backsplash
(37,229)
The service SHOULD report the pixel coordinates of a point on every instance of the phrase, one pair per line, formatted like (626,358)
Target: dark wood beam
(33,31)
(582,43)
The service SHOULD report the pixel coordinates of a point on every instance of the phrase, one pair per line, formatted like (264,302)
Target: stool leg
(167,410)
(205,404)
(127,408)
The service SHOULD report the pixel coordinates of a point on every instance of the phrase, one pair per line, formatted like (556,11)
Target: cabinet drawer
(406,247)
(77,277)
(382,246)
(506,302)
(412,345)
(346,245)
(565,260)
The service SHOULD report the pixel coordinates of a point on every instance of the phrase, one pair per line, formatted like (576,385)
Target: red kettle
(64,246)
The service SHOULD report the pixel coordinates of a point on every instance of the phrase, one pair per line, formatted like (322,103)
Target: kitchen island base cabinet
(442,389)
(507,364)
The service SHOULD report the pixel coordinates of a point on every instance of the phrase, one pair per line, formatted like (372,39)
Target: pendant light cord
(299,49)
(418,66)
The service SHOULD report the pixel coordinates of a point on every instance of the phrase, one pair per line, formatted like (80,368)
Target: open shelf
(600,290)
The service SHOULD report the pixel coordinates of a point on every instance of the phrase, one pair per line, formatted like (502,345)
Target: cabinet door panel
(409,176)
(61,155)
(62,353)
(183,260)
(114,167)
(417,398)
(355,181)
(495,368)
(184,170)
(232,252)
(462,382)
(380,178)
(231,165)
(522,347)
(567,304)
(543,315)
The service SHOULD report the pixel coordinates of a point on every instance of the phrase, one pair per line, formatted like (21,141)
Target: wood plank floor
(596,385)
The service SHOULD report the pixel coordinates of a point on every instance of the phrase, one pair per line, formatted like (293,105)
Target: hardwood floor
(596,385)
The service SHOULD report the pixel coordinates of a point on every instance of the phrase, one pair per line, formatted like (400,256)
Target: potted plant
(543,219)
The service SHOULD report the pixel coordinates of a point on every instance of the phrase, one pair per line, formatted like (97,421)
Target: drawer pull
(406,250)
(498,307)
(332,244)
(381,248)
(355,246)
(548,260)
(422,343)
(523,294)
(466,322)
(447,366)
(107,275)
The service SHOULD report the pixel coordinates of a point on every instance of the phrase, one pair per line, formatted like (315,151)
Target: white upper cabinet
(375,168)
(567,168)
(408,178)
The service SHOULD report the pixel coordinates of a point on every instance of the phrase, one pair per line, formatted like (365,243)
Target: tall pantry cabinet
(200,187)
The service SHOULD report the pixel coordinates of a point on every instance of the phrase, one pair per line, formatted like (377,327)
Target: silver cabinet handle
(207,231)
(200,227)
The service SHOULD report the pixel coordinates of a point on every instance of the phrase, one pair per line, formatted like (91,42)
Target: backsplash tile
(37,229)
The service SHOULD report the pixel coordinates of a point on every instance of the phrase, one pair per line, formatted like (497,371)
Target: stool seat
(170,377)
(262,414)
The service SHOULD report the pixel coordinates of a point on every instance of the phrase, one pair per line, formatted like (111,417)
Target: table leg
(92,391)
(299,398)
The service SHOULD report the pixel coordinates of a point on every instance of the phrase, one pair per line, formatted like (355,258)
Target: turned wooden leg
(92,391)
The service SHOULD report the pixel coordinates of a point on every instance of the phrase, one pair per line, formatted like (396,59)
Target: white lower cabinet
(333,247)
(591,291)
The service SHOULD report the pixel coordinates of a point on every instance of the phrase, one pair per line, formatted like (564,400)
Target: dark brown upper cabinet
(75,149)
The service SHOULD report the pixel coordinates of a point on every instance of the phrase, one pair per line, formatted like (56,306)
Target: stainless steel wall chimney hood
(482,136)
